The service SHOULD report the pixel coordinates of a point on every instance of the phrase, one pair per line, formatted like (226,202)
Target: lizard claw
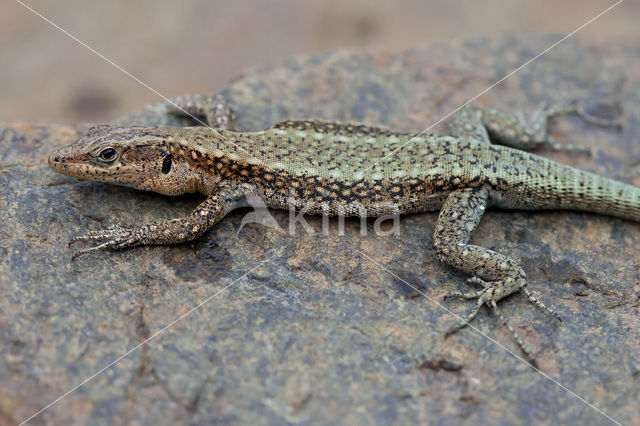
(483,296)
(98,235)
(116,236)
(492,292)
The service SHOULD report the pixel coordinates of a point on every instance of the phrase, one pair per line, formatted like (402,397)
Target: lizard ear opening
(166,164)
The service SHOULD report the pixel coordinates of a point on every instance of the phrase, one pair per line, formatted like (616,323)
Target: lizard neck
(195,163)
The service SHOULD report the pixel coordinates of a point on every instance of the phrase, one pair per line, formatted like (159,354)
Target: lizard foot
(490,294)
(581,110)
(117,237)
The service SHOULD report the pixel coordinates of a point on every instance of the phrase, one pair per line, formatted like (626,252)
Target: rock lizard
(351,170)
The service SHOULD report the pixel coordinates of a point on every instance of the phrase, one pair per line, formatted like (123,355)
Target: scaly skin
(350,170)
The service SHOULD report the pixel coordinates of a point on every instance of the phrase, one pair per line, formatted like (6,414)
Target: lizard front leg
(498,275)
(173,231)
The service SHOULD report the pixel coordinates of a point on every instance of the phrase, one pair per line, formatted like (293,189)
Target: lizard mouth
(64,161)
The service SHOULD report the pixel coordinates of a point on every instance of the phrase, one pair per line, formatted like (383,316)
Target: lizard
(351,169)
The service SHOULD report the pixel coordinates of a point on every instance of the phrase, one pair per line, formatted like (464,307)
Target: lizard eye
(108,154)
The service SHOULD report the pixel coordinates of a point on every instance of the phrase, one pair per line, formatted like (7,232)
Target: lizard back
(331,167)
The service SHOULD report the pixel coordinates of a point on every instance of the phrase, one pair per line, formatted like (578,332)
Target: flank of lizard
(350,170)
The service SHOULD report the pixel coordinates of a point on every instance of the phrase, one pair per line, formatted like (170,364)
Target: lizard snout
(59,158)
(54,158)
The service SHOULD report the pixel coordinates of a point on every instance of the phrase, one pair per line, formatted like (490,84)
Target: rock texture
(264,327)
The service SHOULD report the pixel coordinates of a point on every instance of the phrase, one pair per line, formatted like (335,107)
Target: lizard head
(138,157)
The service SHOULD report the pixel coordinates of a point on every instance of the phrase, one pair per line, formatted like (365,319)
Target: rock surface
(264,327)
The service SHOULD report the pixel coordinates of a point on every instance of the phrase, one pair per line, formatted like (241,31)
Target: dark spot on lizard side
(166,164)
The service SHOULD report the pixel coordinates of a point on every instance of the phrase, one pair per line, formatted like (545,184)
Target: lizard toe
(478,281)
(116,239)
(482,296)
(112,231)
(492,292)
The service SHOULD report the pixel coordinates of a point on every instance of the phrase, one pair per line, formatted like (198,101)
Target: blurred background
(197,46)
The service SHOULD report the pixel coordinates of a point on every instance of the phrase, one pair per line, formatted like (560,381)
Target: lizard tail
(580,190)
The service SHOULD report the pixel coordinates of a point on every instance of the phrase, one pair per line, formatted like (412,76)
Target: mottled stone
(303,329)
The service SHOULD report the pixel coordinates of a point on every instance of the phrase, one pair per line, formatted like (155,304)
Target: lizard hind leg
(214,108)
(498,275)
(491,126)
